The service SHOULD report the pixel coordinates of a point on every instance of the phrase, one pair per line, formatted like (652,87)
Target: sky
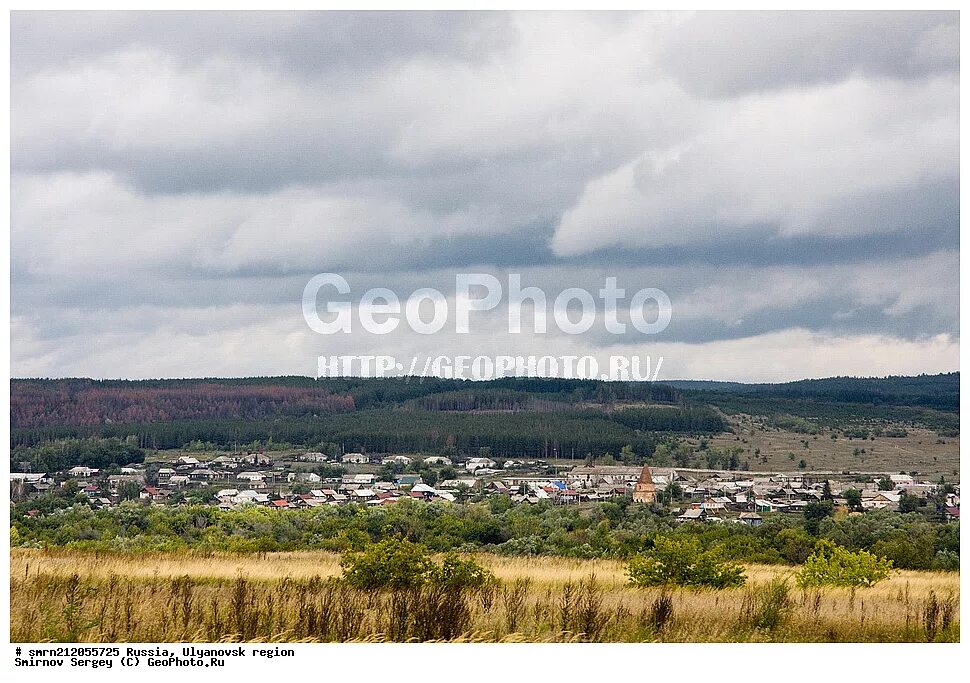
(789,180)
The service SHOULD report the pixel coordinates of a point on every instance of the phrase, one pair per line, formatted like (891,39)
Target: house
(203,474)
(437,460)
(409,479)
(116,480)
(899,480)
(397,460)
(185,460)
(82,471)
(355,459)
(691,515)
(251,476)
(164,474)
(763,505)
(750,518)
(605,474)
(479,463)
(458,483)
(28,477)
(178,481)
(151,493)
(880,500)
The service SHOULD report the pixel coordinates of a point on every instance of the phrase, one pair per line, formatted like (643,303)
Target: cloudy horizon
(790,180)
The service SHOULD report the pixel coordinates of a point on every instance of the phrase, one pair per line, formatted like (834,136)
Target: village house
(479,463)
(750,518)
(437,460)
(397,460)
(355,459)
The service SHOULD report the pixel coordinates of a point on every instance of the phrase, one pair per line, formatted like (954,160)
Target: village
(232,481)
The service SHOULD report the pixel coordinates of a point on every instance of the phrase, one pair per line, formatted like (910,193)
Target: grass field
(88,597)
(919,451)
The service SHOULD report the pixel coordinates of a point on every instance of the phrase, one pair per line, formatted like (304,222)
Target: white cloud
(797,161)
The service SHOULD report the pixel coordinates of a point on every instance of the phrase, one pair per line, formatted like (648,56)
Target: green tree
(815,512)
(392,563)
(834,565)
(129,490)
(682,561)
(908,503)
(853,498)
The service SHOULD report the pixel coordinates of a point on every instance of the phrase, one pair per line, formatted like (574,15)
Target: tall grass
(73,596)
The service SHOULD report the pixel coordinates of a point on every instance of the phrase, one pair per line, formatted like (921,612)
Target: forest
(515,417)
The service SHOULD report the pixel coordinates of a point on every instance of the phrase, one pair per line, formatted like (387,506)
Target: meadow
(78,596)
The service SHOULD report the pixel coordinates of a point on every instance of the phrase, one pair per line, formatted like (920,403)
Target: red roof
(281,503)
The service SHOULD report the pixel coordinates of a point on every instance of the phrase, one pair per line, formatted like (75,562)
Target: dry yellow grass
(193,596)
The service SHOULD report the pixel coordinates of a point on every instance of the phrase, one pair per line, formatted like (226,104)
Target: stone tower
(645,491)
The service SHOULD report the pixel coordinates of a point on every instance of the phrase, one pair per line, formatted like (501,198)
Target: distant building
(645,492)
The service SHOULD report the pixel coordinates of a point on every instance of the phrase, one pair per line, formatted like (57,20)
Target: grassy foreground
(60,595)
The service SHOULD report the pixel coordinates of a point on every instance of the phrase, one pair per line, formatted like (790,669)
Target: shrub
(455,572)
(833,565)
(682,562)
(399,564)
(392,563)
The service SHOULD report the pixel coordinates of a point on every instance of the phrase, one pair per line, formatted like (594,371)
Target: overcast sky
(791,181)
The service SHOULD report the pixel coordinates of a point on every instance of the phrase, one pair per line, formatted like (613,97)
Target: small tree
(853,499)
(908,503)
(392,563)
(683,562)
(834,565)
(815,512)
(398,563)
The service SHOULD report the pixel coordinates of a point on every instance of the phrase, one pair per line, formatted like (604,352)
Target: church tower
(645,491)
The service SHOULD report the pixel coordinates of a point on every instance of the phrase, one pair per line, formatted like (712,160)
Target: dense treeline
(67,453)
(365,392)
(941,392)
(690,420)
(615,529)
(85,402)
(524,434)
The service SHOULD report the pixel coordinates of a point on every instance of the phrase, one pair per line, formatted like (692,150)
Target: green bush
(833,565)
(392,563)
(399,564)
(455,572)
(683,562)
